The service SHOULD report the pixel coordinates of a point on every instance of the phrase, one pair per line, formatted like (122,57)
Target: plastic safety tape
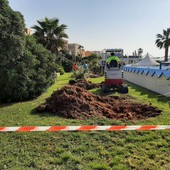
(83,128)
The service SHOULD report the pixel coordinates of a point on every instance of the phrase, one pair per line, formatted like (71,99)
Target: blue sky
(100,24)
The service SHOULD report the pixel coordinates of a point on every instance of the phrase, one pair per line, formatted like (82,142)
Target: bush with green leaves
(26,68)
(81,74)
(40,66)
(66,60)
(60,70)
(92,61)
(34,73)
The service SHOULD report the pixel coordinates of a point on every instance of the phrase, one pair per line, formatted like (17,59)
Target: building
(131,59)
(65,45)
(87,53)
(28,31)
(76,49)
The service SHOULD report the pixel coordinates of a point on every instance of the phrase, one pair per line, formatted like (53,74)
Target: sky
(102,24)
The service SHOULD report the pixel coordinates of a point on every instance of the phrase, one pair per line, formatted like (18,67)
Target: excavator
(114,78)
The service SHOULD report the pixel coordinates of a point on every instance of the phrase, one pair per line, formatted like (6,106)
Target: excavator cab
(114,78)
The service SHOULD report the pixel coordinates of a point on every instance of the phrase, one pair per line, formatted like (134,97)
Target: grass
(83,150)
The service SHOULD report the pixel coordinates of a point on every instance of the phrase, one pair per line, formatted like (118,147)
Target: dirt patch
(94,75)
(84,84)
(77,103)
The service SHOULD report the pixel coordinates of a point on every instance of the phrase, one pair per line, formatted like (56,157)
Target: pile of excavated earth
(84,84)
(74,101)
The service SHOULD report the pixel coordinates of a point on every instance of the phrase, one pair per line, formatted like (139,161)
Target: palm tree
(50,34)
(163,41)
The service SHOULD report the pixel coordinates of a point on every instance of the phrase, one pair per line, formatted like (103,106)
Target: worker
(113,61)
(75,67)
(85,65)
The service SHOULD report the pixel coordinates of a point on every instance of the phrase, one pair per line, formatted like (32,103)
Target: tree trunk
(166,53)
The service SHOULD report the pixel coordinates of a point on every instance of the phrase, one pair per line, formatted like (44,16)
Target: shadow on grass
(43,114)
(6,104)
(150,94)
(98,91)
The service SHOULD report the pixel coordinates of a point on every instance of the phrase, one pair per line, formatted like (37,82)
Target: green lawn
(97,150)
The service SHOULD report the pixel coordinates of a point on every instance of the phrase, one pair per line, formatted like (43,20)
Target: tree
(39,67)
(26,68)
(50,34)
(12,44)
(93,62)
(163,41)
(34,73)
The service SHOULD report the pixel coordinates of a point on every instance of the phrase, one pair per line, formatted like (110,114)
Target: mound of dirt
(84,84)
(77,103)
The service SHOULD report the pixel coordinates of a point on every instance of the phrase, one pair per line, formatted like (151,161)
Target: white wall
(154,83)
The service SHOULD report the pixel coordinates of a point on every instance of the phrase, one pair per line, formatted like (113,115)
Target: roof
(114,50)
(147,61)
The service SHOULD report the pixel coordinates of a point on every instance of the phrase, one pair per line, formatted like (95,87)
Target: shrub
(33,74)
(26,68)
(61,70)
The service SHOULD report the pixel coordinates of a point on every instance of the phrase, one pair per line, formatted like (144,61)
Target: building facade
(28,31)
(76,49)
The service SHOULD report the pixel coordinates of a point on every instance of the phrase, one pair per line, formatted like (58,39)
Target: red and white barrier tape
(82,128)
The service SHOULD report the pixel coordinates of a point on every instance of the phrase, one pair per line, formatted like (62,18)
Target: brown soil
(84,84)
(77,103)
